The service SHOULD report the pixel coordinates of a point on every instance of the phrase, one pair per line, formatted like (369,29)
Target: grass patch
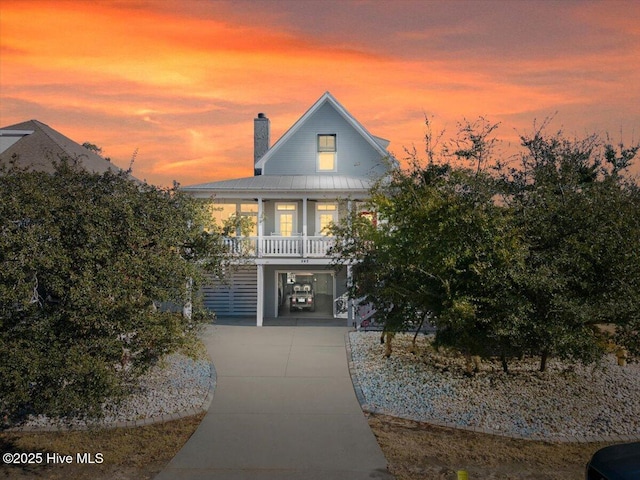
(419,451)
(128,453)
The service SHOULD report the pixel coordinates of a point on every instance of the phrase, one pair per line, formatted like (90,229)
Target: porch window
(327,153)
(250,211)
(326,214)
(286,214)
(222,212)
(371,216)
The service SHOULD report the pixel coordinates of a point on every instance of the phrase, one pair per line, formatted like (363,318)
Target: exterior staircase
(364,312)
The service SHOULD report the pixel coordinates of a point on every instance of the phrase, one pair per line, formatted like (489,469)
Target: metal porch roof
(285,184)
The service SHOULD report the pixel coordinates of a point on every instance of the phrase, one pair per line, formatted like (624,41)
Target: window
(250,211)
(327,153)
(286,219)
(326,213)
(371,216)
(249,207)
(223,212)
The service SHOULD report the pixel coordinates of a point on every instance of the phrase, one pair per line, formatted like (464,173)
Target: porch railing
(241,245)
(318,246)
(277,246)
(280,246)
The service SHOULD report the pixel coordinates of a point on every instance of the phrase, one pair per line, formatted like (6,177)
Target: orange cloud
(182,81)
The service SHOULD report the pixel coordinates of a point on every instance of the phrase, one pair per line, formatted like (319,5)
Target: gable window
(327,153)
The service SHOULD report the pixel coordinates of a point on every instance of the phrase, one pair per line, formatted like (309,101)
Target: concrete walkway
(284,408)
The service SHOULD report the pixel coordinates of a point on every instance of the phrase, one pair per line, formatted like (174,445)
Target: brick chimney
(261,139)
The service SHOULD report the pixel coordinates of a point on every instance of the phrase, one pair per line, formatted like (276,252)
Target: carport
(322,285)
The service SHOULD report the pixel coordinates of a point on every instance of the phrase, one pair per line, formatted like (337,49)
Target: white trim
(304,216)
(294,218)
(299,261)
(260,302)
(318,230)
(356,194)
(275,293)
(350,305)
(15,133)
(260,225)
(320,152)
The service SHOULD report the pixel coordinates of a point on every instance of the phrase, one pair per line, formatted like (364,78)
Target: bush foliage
(88,265)
(505,260)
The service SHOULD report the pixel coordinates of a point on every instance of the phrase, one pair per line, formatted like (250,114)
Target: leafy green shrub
(85,262)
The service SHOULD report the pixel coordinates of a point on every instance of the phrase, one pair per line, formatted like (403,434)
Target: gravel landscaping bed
(177,384)
(565,403)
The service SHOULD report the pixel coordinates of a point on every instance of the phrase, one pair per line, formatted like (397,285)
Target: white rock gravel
(567,402)
(176,384)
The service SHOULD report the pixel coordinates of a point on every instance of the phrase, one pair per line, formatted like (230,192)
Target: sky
(180,81)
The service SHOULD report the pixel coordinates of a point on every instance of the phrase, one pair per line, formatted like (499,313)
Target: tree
(442,250)
(505,262)
(87,263)
(580,218)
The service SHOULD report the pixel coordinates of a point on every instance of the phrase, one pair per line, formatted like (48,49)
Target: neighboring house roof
(263,185)
(35,146)
(379,144)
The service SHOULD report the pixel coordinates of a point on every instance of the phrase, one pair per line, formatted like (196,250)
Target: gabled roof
(36,146)
(379,144)
(279,185)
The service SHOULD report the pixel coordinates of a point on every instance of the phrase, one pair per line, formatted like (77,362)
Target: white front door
(326,213)
(286,219)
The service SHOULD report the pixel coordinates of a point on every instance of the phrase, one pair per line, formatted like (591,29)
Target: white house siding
(355,156)
(237,297)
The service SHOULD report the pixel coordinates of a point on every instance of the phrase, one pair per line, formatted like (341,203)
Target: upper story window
(327,158)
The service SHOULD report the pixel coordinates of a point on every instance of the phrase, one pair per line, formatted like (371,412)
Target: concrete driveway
(283,408)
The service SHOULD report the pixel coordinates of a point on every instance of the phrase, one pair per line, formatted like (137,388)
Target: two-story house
(322,167)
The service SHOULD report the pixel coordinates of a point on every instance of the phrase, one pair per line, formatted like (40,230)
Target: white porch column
(304,227)
(260,306)
(260,227)
(350,306)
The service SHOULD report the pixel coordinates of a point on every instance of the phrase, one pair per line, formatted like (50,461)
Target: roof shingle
(40,149)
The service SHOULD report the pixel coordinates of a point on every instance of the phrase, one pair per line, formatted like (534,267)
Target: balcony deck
(281,246)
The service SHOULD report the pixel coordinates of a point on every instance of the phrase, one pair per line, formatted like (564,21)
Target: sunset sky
(181,81)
